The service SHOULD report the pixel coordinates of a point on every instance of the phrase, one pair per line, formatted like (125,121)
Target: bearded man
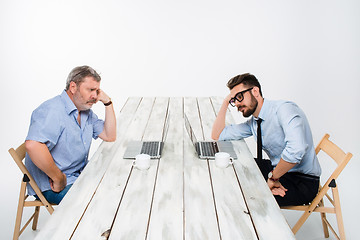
(282,130)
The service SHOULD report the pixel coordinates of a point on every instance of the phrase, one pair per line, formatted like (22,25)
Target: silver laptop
(207,150)
(153,148)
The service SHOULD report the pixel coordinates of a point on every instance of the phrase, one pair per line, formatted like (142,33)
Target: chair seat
(306,207)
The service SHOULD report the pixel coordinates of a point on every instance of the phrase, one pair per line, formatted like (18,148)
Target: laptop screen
(166,127)
(190,131)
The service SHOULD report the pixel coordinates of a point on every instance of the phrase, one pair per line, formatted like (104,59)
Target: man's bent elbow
(215,136)
(110,138)
(31,145)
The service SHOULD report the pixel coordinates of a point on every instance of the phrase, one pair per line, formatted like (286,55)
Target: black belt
(305,176)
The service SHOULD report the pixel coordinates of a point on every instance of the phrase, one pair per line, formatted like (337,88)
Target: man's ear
(73,87)
(256,91)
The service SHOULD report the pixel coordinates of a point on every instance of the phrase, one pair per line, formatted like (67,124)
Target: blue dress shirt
(285,133)
(55,124)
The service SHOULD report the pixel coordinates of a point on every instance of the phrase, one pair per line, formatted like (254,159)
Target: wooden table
(180,196)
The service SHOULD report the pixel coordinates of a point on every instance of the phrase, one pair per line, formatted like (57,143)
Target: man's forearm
(281,168)
(219,123)
(109,124)
(41,157)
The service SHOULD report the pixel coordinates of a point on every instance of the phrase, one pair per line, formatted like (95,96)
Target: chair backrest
(19,155)
(339,156)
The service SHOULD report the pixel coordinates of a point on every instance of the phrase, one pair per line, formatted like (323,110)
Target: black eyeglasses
(238,97)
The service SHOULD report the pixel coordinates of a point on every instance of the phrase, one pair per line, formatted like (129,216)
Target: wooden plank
(99,215)
(265,212)
(133,214)
(166,220)
(200,216)
(233,217)
(67,215)
(139,124)
(155,127)
(207,117)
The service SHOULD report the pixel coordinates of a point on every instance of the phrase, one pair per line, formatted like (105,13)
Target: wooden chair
(18,155)
(317,205)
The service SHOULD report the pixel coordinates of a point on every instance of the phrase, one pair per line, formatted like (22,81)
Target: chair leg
(323,220)
(36,217)
(19,211)
(301,221)
(338,213)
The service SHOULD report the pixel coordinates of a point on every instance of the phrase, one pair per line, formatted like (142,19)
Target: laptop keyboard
(150,148)
(209,148)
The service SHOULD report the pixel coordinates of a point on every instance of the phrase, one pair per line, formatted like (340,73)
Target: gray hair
(78,74)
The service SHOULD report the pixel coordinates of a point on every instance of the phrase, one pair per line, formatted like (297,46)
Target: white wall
(306,51)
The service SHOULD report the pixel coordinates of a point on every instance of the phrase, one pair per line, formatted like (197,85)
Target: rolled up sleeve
(294,129)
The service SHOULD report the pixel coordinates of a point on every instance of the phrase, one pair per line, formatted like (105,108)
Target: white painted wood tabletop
(179,196)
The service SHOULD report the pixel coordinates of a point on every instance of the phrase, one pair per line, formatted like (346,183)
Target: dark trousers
(301,188)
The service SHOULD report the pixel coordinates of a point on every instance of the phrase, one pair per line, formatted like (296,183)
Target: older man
(61,130)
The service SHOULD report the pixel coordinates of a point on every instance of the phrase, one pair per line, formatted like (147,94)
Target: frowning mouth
(91,101)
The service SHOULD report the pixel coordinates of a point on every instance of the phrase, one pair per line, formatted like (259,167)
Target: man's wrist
(108,102)
(226,101)
(59,177)
(271,176)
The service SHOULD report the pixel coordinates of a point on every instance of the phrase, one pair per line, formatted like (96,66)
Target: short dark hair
(246,79)
(78,74)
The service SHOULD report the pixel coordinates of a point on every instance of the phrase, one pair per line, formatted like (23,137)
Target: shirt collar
(69,105)
(264,110)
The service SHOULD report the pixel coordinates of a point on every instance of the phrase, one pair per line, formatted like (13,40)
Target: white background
(305,51)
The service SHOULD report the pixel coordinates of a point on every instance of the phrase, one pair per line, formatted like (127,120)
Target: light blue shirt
(285,133)
(55,123)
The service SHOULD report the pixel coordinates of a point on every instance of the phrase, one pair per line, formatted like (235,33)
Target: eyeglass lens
(239,97)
